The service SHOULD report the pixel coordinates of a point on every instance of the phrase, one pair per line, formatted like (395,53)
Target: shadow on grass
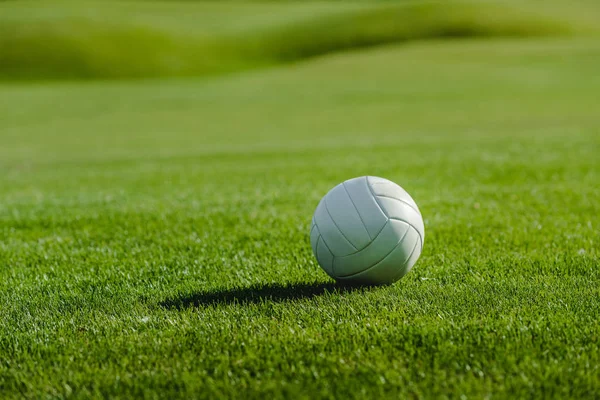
(257,294)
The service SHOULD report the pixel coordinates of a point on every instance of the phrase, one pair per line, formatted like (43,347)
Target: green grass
(154,234)
(100,40)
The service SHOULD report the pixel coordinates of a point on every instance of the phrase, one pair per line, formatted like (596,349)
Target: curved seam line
(325,243)
(409,224)
(402,201)
(408,259)
(378,233)
(383,259)
(373,241)
(336,225)
(320,239)
(317,247)
(375,197)
(328,249)
(356,208)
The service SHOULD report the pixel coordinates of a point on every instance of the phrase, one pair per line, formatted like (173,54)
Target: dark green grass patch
(154,235)
(132,40)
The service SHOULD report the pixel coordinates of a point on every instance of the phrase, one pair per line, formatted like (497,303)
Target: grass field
(154,233)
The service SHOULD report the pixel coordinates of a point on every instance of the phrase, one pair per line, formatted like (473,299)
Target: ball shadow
(258,293)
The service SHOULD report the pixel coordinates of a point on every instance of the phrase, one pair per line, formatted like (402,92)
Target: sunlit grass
(154,235)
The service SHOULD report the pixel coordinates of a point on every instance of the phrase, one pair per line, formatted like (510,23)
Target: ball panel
(383,187)
(371,214)
(344,213)
(399,229)
(314,236)
(391,234)
(333,238)
(396,209)
(390,268)
(324,257)
(412,260)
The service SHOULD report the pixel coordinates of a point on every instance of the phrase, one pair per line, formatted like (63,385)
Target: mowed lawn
(154,235)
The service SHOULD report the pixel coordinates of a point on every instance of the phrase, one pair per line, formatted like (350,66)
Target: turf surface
(154,234)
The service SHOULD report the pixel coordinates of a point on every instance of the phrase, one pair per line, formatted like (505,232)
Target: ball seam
(358,212)
(383,258)
(407,260)
(320,239)
(375,197)
(337,227)
(400,200)
(371,242)
(323,239)
(411,225)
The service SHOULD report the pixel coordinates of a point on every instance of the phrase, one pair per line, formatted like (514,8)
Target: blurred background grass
(107,40)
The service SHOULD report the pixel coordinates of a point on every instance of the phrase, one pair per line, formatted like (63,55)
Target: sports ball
(367,231)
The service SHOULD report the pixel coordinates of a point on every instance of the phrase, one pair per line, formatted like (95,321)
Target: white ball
(367,230)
